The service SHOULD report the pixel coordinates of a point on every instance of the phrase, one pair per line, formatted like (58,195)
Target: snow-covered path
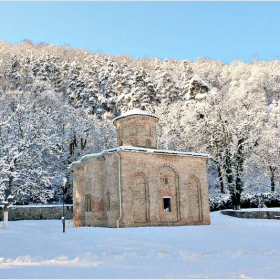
(228,248)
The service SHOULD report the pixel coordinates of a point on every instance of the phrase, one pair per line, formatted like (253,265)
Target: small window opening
(121,143)
(167,204)
(88,203)
(165,180)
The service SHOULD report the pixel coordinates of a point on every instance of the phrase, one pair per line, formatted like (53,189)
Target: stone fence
(38,212)
(255,214)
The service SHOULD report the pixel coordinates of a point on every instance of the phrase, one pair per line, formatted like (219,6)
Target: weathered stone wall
(190,204)
(78,195)
(147,180)
(96,177)
(252,214)
(35,212)
(111,190)
(94,187)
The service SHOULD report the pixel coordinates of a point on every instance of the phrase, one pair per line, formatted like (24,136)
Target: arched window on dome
(147,129)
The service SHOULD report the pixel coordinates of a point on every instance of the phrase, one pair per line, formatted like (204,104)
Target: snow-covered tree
(24,143)
(266,156)
(167,88)
(204,105)
(228,126)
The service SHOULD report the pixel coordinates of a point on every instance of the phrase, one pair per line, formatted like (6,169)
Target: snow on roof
(139,149)
(134,111)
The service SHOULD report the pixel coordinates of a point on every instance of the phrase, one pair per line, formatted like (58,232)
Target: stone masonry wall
(186,169)
(143,188)
(35,212)
(111,190)
(94,187)
(93,177)
(79,176)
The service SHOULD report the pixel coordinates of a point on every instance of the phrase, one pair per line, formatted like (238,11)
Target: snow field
(228,248)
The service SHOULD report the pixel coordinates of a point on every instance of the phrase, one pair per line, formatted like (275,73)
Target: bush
(219,202)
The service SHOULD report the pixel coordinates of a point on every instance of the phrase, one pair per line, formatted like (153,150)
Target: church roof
(135,111)
(139,149)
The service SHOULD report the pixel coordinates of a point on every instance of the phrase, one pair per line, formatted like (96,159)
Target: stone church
(136,184)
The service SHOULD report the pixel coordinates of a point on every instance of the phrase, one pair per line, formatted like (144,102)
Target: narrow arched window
(108,201)
(148,143)
(147,130)
(88,203)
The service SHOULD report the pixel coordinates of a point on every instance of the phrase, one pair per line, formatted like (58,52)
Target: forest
(57,104)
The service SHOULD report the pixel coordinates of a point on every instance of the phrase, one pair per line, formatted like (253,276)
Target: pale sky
(225,31)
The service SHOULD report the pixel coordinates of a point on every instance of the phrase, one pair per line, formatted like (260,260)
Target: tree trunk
(220,174)
(229,177)
(238,201)
(239,185)
(83,143)
(10,185)
(272,178)
(11,179)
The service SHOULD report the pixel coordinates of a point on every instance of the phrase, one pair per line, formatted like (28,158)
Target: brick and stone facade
(137,185)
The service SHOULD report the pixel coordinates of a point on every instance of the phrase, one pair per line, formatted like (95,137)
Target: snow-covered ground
(228,248)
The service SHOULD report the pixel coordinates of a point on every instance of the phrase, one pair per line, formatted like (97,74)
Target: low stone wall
(38,212)
(252,214)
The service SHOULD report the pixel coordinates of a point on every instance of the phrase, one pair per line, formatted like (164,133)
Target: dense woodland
(57,104)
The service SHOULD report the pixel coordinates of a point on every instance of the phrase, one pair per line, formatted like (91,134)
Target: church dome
(136,128)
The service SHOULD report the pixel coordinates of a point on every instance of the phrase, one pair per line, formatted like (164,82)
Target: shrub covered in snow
(219,202)
(261,200)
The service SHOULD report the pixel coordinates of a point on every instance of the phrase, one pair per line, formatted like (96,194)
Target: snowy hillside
(57,105)
(228,248)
